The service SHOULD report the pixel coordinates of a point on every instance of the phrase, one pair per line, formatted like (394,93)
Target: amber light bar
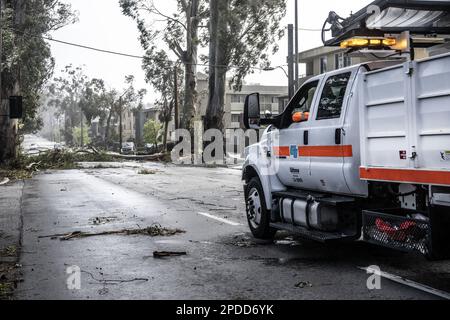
(368,42)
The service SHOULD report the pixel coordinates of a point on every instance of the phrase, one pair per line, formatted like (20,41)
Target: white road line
(231,223)
(409,283)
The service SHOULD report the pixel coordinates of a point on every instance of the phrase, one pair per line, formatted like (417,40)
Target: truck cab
(308,175)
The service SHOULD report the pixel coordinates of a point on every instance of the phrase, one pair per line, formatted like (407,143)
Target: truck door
(294,170)
(325,135)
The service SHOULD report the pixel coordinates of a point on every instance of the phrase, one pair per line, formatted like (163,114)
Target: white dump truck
(361,153)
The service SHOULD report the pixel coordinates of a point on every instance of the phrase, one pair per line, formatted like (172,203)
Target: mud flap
(439,241)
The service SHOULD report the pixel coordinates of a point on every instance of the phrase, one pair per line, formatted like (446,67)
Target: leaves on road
(147,172)
(10,251)
(153,231)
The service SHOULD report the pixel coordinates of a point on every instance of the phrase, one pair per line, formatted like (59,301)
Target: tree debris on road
(114,281)
(102,220)
(165,254)
(9,251)
(304,284)
(4,181)
(153,231)
(147,172)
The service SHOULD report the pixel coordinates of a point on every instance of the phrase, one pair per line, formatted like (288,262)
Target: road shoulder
(10,237)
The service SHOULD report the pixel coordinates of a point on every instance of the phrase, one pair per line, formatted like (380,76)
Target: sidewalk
(10,236)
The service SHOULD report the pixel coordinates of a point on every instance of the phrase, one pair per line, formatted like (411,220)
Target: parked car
(128,148)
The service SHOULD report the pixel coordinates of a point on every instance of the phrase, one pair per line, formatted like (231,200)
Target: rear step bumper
(315,235)
(392,228)
(387,228)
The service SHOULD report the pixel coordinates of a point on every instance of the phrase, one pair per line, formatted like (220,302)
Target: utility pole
(82,129)
(1,52)
(175,99)
(120,123)
(296,47)
(291,60)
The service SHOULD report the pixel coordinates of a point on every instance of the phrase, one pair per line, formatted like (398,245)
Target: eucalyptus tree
(179,32)
(66,93)
(27,63)
(242,34)
(164,76)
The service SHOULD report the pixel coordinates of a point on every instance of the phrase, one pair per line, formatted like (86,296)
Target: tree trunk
(218,54)
(213,38)
(68,133)
(108,128)
(190,62)
(166,131)
(9,139)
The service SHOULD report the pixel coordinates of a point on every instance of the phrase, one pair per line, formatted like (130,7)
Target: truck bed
(405,122)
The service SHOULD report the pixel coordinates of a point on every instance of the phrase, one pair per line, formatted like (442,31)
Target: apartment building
(273,99)
(324,59)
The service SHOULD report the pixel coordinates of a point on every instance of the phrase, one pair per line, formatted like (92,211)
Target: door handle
(306,138)
(338,136)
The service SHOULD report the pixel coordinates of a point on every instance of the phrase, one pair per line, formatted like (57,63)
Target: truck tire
(257,214)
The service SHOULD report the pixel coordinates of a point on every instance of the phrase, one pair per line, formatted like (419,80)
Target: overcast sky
(102,25)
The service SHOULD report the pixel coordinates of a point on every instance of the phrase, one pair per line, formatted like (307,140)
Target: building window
(235,98)
(262,99)
(274,100)
(323,64)
(338,63)
(236,118)
(347,61)
(342,60)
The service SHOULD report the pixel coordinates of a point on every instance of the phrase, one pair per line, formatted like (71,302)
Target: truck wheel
(257,214)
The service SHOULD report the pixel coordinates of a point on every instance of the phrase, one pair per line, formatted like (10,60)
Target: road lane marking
(409,283)
(231,223)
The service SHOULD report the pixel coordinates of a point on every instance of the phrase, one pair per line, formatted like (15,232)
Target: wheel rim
(254,208)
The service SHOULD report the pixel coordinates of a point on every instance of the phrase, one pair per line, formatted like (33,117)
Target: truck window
(333,95)
(301,103)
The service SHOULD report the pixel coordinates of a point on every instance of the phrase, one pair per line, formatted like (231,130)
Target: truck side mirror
(252,112)
(15,107)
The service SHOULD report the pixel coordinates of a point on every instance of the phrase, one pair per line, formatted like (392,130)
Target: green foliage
(180,36)
(74,94)
(27,61)
(66,93)
(76,132)
(250,36)
(160,73)
(152,132)
(56,159)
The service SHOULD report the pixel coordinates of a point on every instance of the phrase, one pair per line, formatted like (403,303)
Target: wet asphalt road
(222,261)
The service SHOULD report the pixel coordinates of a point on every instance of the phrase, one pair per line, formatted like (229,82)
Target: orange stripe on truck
(405,175)
(282,151)
(327,151)
(316,151)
